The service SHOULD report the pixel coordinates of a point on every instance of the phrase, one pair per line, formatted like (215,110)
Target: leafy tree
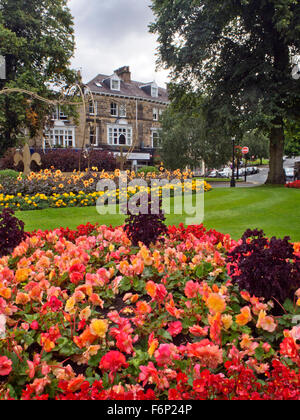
(37,41)
(257,142)
(292,136)
(239,53)
(186,136)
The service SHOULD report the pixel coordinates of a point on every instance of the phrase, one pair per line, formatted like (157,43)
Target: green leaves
(65,347)
(36,38)
(236,55)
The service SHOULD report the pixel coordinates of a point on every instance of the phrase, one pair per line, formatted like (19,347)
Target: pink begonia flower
(295,333)
(2,326)
(165,354)
(34,325)
(5,366)
(191,289)
(175,328)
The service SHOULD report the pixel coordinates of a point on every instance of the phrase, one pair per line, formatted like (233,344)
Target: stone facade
(123,114)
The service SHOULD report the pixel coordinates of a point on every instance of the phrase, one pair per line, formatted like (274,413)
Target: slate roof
(131,89)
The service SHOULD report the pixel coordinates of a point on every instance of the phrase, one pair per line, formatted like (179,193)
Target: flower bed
(50,181)
(295,184)
(85,315)
(57,190)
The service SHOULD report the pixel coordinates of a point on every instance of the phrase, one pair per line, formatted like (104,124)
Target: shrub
(8,174)
(265,267)
(7,161)
(145,228)
(66,160)
(148,169)
(11,232)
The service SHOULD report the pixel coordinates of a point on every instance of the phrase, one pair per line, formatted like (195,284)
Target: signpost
(232,182)
(245,151)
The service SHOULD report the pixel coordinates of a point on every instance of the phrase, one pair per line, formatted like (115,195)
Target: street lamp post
(232,182)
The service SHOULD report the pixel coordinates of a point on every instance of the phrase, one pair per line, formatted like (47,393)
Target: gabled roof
(134,89)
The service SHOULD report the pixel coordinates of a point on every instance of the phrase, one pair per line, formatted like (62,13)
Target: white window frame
(154,132)
(122,110)
(96,135)
(93,111)
(114,105)
(115,79)
(114,131)
(154,90)
(61,136)
(155,114)
(59,115)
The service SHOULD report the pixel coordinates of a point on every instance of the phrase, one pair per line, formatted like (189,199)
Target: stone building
(123,115)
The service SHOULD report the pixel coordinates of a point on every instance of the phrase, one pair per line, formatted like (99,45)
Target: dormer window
(151,89)
(154,91)
(115,82)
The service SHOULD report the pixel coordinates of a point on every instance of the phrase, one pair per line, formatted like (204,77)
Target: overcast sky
(113,33)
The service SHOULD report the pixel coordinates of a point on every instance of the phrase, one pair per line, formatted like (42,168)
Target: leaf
(165,334)
(259,353)
(12,392)
(95,360)
(289,306)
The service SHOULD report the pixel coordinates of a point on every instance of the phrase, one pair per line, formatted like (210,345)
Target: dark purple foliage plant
(66,160)
(11,232)
(265,267)
(145,228)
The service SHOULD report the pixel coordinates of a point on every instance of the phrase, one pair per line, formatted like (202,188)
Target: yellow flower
(216,303)
(99,327)
(226,321)
(70,305)
(153,346)
(22,275)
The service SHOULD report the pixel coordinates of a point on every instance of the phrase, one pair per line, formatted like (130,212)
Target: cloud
(114,33)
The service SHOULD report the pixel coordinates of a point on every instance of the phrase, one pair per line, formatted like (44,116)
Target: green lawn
(276,210)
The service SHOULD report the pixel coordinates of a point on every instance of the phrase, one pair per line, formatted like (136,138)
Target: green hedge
(148,169)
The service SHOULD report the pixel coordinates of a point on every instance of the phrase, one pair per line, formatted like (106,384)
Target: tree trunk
(276,172)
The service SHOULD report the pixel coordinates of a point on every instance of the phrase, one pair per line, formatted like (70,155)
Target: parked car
(213,174)
(225,173)
(251,170)
(289,174)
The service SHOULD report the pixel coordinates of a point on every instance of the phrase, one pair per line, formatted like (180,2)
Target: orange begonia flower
(244,317)
(216,303)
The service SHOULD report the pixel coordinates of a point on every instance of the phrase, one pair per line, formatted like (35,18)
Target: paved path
(227,184)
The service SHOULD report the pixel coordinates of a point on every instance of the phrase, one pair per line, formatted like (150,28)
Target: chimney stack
(124,74)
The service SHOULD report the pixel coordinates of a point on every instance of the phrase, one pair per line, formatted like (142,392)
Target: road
(257,179)
(262,176)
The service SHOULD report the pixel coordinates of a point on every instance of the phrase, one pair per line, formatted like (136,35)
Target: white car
(289,173)
(226,173)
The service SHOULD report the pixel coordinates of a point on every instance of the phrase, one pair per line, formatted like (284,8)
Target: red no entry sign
(245,150)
